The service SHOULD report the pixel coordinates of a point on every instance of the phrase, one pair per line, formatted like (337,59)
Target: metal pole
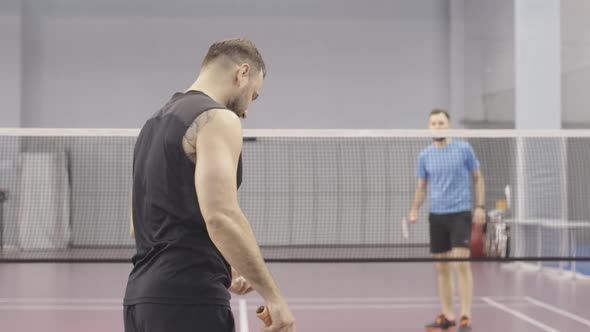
(2,199)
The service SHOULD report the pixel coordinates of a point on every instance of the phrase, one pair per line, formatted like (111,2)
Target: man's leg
(440,247)
(460,240)
(464,280)
(445,286)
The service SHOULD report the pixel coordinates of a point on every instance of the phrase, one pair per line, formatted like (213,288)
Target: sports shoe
(441,322)
(464,324)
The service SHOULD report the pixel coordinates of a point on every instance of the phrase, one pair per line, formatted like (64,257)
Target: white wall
(10,107)
(489,60)
(575,38)
(332,64)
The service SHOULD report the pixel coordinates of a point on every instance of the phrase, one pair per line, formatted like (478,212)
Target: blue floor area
(583,249)
(581,267)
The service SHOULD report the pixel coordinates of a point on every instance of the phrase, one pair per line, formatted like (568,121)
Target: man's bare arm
(218,146)
(480,188)
(419,195)
(479,217)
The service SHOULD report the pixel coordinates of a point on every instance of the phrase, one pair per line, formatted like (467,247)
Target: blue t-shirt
(448,173)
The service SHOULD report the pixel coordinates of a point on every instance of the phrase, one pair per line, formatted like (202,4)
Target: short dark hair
(238,50)
(440,111)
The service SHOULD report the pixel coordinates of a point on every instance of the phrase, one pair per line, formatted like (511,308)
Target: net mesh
(309,195)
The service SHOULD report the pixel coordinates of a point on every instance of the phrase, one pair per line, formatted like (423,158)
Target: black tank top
(176,261)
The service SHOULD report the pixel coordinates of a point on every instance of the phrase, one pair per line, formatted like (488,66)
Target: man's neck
(209,88)
(442,143)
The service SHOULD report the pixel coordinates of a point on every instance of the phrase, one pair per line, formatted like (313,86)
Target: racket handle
(263,315)
(405,232)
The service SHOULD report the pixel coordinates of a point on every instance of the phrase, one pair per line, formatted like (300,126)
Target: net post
(564,199)
(539,226)
(3,196)
(573,266)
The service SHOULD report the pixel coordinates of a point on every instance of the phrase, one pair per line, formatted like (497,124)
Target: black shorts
(156,317)
(448,231)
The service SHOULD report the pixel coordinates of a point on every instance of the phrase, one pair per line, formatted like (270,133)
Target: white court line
(243,309)
(55,300)
(384,306)
(558,311)
(86,305)
(243,315)
(41,307)
(520,315)
(376,299)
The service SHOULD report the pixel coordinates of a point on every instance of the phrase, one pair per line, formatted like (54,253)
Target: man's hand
(413,217)
(479,216)
(281,316)
(240,286)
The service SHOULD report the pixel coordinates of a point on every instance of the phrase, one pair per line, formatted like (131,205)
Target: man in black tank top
(193,242)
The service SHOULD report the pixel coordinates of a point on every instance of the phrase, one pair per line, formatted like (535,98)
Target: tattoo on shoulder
(190,137)
(203,119)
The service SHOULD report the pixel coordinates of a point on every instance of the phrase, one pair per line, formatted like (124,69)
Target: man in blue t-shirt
(445,170)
